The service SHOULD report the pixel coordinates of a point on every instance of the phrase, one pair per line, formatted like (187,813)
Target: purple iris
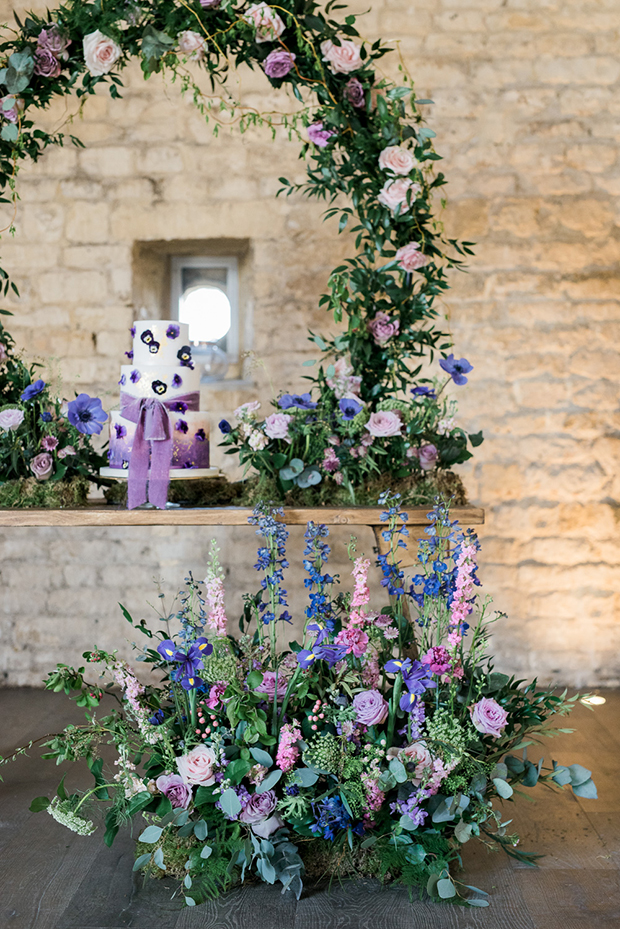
(181,426)
(86,414)
(224,426)
(299,401)
(177,380)
(423,392)
(173,331)
(33,390)
(456,368)
(349,407)
(329,653)
(416,677)
(189,661)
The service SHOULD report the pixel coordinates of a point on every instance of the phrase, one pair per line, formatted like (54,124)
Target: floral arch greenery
(369,156)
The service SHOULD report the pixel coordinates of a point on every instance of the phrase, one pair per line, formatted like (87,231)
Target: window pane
(208,312)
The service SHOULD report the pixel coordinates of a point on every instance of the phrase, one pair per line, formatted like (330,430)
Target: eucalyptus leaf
(306,777)
(158,859)
(151,834)
(262,757)
(445,888)
(206,852)
(9,132)
(578,774)
(140,861)
(309,478)
(201,830)
(587,790)
(397,769)
(230,803)
(503,788)
(270,781)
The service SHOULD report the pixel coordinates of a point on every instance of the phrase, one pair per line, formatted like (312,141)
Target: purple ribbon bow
(152,446)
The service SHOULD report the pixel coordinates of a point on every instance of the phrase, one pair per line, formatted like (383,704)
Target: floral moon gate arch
(362,137)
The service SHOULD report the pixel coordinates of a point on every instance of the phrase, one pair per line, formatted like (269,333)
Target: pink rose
(417,754)
(319,135)
(42,466)
(268,685)
(192,44)
(175,789)
(268,24)
(410,257)
(3,352)
(276,426)
(488,717)
(397,159)
(370,707)
(11,419)
(100,53)
(343,58)
(278,63)
(385,424)
(393,194)
(382,328)
(12,113)
(49,443)
(427,456)
(67,450)
(197,766)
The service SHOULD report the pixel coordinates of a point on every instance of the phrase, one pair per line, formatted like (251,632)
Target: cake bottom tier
(190,440)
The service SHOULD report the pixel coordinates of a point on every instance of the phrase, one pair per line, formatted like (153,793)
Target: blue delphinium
(316,555)
(393,577)
(271,560)
(332,816)
(456,368)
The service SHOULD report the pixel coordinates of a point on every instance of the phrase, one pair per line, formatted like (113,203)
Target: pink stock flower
(3,353)
(488,717)
(410,258)
(214,595)
(399,194)
(343,58)
(257,440)
(277,425)
(384,424)
(215,694)
(288,752)
(397,159)
(343,382)
(361,593)
(355,640)
(383,327)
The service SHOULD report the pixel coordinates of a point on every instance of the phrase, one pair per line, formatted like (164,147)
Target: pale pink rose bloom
(488,717)
(410,257)
(100,53)
(268,24)
(192,44)
(67,450)
(276,426)
(397,159)
(3,352)
(197,766)
(417,753)
(257,440)
(393,194)
(42,466)
(343,58)
(11,419)
(382,328)
(246,410)
(343,382)
(384,424)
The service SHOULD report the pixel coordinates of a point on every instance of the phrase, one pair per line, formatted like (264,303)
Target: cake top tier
(161,342)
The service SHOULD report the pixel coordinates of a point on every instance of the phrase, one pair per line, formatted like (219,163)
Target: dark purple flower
(200,435)
(188,464)
(278,63)
(423,391)
(354,92)
(456,368)
(153,347)
(159,387)
(46,417)
(33,390)
(349,407)
(123,380)
(319,135)
(299,401)
(177,380)
(173,331)
(86,414)
(181,426)
(184,355)
(130,354)
(135,376)
(54,40)
(120,431)
(189,661)
(133,332)
(45,62)
(147,336)
(224,426)
(180,406)
(175,789)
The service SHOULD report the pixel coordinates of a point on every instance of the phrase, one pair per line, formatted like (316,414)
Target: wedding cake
(159,432)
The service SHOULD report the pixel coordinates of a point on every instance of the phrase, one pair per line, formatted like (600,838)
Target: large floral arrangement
(379,744)
(337,448)
(46,455)
(370,158)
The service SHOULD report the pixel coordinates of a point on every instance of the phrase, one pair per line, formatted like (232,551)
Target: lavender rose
(45,62)
(371,708)
(42,466)
(427,456)
(268,685)
(382,328)
(278,63)
(410,258)
(11,419)
(175,789)
(488,717)
(209,4)
(343,58)
(319,135)
(54,40)
(354,93)
(100,53)
(394,194)
(276,426)
(384,424)
(197,766)
(259,807)
(11,112)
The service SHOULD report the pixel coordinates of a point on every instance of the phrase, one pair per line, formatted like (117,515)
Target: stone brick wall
(526,114)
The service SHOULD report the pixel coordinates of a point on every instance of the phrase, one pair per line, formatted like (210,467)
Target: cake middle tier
(163,381)
(190,440)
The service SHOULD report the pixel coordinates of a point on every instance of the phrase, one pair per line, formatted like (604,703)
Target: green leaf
(445,888)
(142,860)
(478,902)
(476,439)
(151,834)
(415,854)
(237,770)
(158,859)
(306,777)
(206,852)
(154,45)
(262,757)
(270,781)
(587,790)
(578,774)
(9,132)
(503,788)
(229,801)
(60,790)
(308,364)
(255,679)
(39,804)
(190,901)
(201,830)
(462,831)
(398,770)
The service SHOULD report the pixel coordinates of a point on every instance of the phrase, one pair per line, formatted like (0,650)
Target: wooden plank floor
(53,879)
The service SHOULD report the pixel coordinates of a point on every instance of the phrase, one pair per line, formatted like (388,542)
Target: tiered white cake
(162,369)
